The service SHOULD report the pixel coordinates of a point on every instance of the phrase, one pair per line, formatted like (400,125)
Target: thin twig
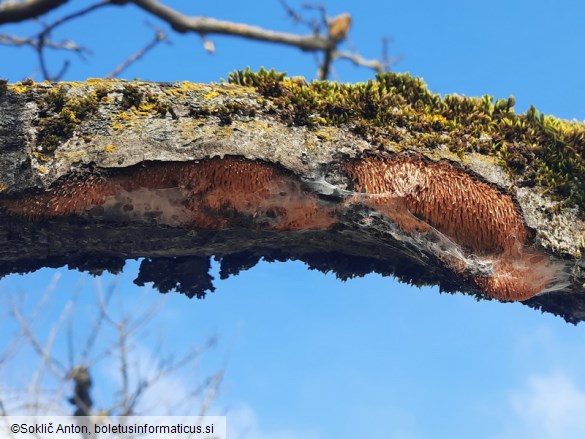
(48,29)
(36,344)
(44,35)
(159,37)
(13,40)
(359,60)
(97,324)
(124,372)
(47,357)
(315,26)
(16,341)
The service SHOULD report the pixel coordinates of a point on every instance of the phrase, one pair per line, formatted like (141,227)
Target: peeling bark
(95,173)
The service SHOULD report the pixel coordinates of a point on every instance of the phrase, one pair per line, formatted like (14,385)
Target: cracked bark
(95,173)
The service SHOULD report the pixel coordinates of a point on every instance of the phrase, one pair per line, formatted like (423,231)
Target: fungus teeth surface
(211,194)
(484,230)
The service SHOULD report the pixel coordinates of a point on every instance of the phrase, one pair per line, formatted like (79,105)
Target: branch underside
(422,222)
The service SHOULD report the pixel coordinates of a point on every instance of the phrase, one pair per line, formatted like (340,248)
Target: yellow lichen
(110,148)
(326,134)
(145,108)
(19,88)
(102,80)
(212,94)
(123,120)
(40,156)
(184,87)
(71,156)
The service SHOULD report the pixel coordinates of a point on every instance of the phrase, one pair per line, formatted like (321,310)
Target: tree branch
(11,12)
(205,26)
(382,177)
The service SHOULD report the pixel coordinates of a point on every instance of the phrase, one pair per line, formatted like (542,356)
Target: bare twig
(12,12)
(203,25)
(47,358)
(322,22)
(315,26)
(212,391)
(42,351)
(124,372)
(12,40)
(102,314)
(17,340)
(159,37)
(387,60)
(43,36)
(337,29)
(294,15)
(358,60)
(49,28)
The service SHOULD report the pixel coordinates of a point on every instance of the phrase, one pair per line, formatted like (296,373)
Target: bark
(95,173)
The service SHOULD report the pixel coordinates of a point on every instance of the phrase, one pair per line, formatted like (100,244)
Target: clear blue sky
(312,357)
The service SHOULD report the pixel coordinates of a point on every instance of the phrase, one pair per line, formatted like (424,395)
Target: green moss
(229,109)
(398,111)
(60,116)
(131,96)
(265,81)
(144,104)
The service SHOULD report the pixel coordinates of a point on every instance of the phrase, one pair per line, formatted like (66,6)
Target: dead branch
(359,60)
(12,12)
(205,26)
(13,40)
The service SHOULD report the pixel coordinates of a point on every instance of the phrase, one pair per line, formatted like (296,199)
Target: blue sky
(307,355)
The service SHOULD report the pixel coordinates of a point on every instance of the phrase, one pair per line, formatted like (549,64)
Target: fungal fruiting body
(420,196)
(212,194)
(475,229)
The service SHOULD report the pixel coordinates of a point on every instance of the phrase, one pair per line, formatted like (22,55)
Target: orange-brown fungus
(519,277)
(472,213)
(418,194)
(212,194)
(480,222)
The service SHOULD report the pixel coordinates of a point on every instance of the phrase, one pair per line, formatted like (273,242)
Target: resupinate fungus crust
(420,195)
(483,224)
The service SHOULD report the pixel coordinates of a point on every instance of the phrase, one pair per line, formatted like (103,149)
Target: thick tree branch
(12,12)
(379,177)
